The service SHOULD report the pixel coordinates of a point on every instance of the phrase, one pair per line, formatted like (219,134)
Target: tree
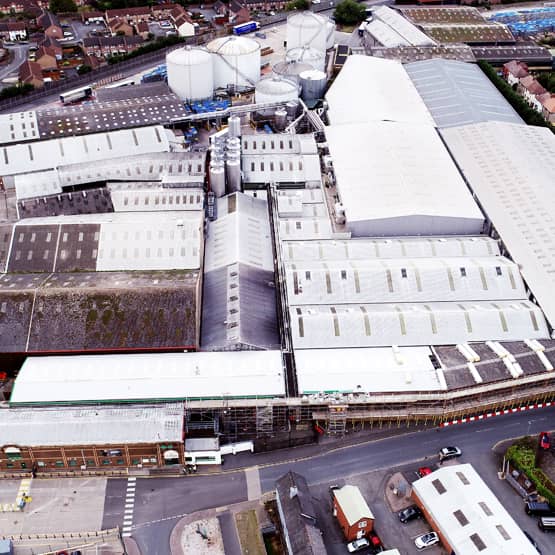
(62,6)
(82,69)
(349,12)
(297,5)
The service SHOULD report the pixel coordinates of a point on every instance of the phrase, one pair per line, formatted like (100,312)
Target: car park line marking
(496,413)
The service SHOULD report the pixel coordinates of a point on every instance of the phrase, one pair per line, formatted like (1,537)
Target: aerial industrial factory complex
(384,258)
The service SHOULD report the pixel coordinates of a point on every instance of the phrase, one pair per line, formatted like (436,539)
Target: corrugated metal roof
(134,199)
(305,229)
(18,127)
(403,280)
(278,144)
(374,89)
(281,168)
(360,371)
(101,425)
(398,179)
(457,93)
(411,323)
(98,378)
(410,247)
(466,496)
(410,32)
(384,34)
(510,169)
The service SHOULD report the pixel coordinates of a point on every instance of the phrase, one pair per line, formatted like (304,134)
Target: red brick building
(352,512)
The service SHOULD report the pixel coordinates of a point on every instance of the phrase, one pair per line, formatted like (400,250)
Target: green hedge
(16,90)
(158,44)
(523,456)
(529,115)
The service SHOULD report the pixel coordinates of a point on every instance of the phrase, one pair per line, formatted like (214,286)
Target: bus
(76,95)
(245,28)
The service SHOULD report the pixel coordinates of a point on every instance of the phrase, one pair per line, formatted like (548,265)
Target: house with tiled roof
(53,45)
(238,13)
(119,26)
(182,22)
(46,58)
(514,70)
(104,47)
(530,89)
(50,25)
(131,15)
(13,30)
(162,11)
(142,29)
(31,73)
(548,109)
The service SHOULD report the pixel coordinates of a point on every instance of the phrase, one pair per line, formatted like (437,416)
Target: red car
(545,443)
(424,471)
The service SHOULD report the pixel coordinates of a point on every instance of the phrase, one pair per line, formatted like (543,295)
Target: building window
(403,272)
(59,463)
(135,462)
(105,461)
(9,464)
(120,461)
(73,462)
(362,524)
(41,464)
(12,453)
(498,271)
(463,272)
(90,462)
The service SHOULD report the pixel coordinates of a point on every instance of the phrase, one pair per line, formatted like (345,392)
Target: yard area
(249,533)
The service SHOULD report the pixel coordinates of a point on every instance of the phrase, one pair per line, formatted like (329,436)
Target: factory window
(503,532)
(254,145)
(263,145)
(271,166)
(291,145)
(307,275)
(463,272)
(126,201)
(33,237)
(273,145)
(343,274)
(485,508)
(290,166)
(41,464)
(281,166)
(261,166)
(498,271)
(252,166)
(403,272)
(298,225)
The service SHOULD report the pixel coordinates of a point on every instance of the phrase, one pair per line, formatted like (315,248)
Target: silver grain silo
(234,125)
(233,174)
(280,119)
(313,84)
(217,178)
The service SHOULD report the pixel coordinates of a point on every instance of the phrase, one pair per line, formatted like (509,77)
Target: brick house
(548,109)
(352,512)
(119,26)
(103,47)
(530,89)
(46,58)
(8,7)
(183,23)
(131,15)
(53,46)
(31,73)
(142,29)
(92,17)
(264,5)
(163,11)
(50,25)
(238,13)
(513,71)
(13,30)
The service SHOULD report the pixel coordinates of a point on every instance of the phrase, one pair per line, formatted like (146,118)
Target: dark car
(532,541)
(539,508)
(410,513)
(446,453)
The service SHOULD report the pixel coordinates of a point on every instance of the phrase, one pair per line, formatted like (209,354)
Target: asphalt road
(20,55)
(160,502)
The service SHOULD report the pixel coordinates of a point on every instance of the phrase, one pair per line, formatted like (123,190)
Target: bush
(349,12)
(529,115)
(161,42)
(297,5)
(62,6)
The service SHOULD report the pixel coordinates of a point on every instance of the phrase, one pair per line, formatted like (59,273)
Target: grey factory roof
(240,234)
(53,153)
(239,309)
(280,168)
(412,188)
(109,115)
(296,229)
(100,425)
(406,54)
(530,53)
(6,232)
(384,34)
(396,30)
(108,242)
(457,93)
(375,325)
(144,90)
(510,169)
(405,247)
(91,201)
(278,144)
(18,127)
(403,280)
(143,377)
(184,167)
(84,311)
(138,197)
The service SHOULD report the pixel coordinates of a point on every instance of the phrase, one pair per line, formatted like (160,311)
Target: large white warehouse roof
(403,280)
(18,126)
(398,179)
(97,378)
(374,89)
(447,323)
(50,154)
(467,513)
(403,27)
(510,169)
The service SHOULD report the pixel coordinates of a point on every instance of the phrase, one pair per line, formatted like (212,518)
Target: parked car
(532,541)
(424,471)
(357,545)
(446,453)
(410,513)
(539,508)
(426,540)
(545,442)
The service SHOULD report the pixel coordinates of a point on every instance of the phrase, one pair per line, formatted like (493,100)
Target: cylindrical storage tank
(234,124)
(217,179)
(275,89)
(233,143)
(290,70)
(313,84)
(190,73)
(281,119)
(307,55)
(233,174)
(330,34)
(306,29)
(236,62)
(292,108)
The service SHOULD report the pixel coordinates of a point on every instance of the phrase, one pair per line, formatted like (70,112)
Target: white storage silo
(307,55)
(330,34)
(190,73)
(313,84)
(290,70)
(233,175)
(275,89)
(234,124)
(236,62)
(306,29)
(217,178)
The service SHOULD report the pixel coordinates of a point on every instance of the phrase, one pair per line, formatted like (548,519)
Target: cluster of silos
(227,62)
(225,160)
(275,89)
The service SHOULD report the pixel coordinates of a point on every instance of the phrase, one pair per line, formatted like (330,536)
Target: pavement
(19,52)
